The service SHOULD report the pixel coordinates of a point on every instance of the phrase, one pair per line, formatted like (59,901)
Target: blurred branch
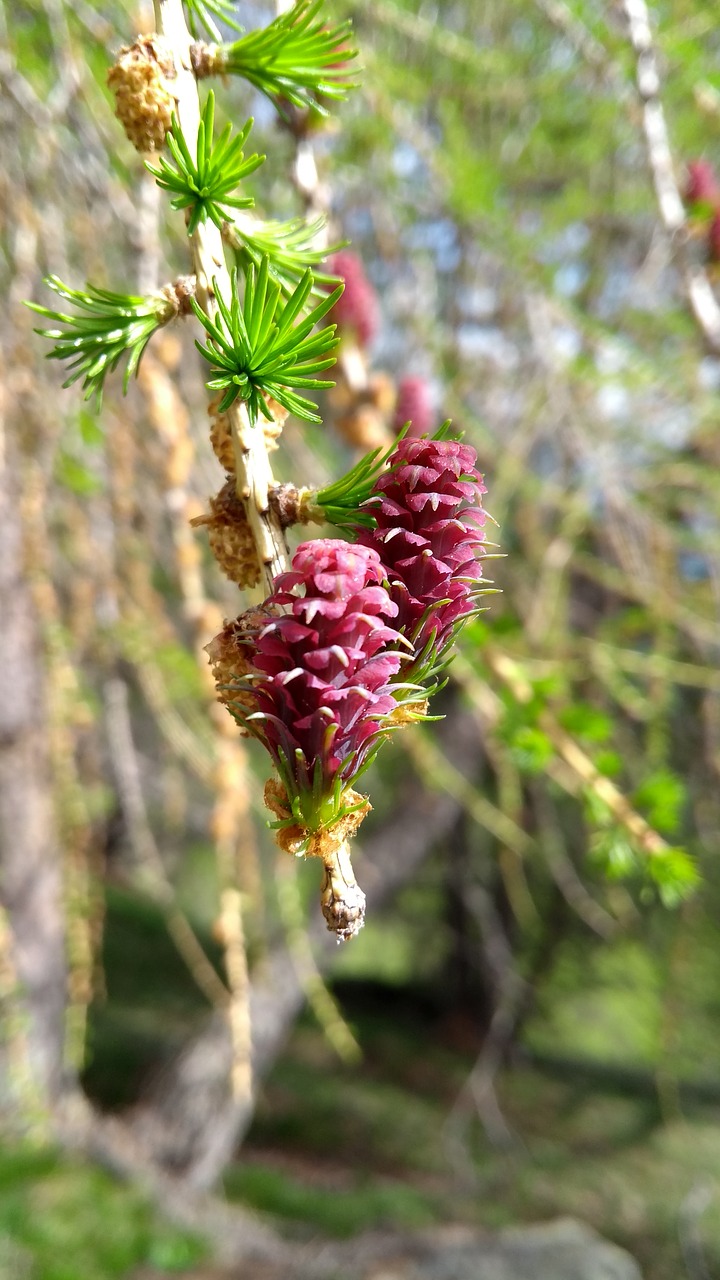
(704,631)
(484,701)
(188,1120)
(700,296)
(579,770)
(23,92)
(144,846)
(435,36)
(439,772)
(232,934)
(323,1004)
(584,42)
(563,872)
(180,737)
(254,474)
(651,666)
(29,852)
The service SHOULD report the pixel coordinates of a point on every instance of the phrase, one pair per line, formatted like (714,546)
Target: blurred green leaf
(74,475)
(662,798)
(531,749)
(586,721)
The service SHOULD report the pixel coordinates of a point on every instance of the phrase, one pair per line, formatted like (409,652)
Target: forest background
(528,1025)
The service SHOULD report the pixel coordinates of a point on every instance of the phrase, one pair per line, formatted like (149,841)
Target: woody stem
(252,468)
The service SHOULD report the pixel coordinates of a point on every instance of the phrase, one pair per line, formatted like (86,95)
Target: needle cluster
(262,346)
(204,185)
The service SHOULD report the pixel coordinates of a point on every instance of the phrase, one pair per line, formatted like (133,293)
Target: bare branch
(254,476)
(700,297)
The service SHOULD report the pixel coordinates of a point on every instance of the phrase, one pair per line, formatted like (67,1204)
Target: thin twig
(254,476)
(478,1091)
(233,938)
(319,997)
(701,299)
(144,847)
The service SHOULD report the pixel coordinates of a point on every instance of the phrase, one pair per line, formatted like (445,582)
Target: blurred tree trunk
(30,864)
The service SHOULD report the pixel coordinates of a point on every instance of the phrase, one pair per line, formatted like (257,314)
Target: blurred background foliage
(537,1008)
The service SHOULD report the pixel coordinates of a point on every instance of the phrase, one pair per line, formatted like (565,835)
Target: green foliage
(75,476)
(202,14)
(297,59)
(104,329)
(367,1204)
(674,874)
(256,350)
(50,1211)
(615,855)
(586,721)
(340,502)
(608,763)
(662,797)
(669,872)
(204,185)
(530,749)
(289,248)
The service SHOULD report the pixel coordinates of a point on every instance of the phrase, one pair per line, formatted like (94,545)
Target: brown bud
(364,427)
(230,536)
(382,392)
(142,81)
(231,654)
(295,506)
(203,59)
(221,433)
(180,294)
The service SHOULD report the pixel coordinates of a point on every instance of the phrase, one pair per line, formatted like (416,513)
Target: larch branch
(253,473)
(700,296)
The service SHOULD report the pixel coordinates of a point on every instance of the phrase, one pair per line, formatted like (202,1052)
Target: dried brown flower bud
(180,294)
(341,899)
(142,81)
(295,506)
(221,435)
(230,536)
(203,59)
(363,427)
(231,655)
(381,392)
(272,429)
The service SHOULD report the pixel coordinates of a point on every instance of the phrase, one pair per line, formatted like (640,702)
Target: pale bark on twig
(697,287)
(253,473)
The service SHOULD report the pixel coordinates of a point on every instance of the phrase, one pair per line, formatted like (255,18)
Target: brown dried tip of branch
(221,434)
(181,293)
(295,506)
(230,536)
(203,59)
(341,899)
(141,80)
(230,654)
(363,414)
